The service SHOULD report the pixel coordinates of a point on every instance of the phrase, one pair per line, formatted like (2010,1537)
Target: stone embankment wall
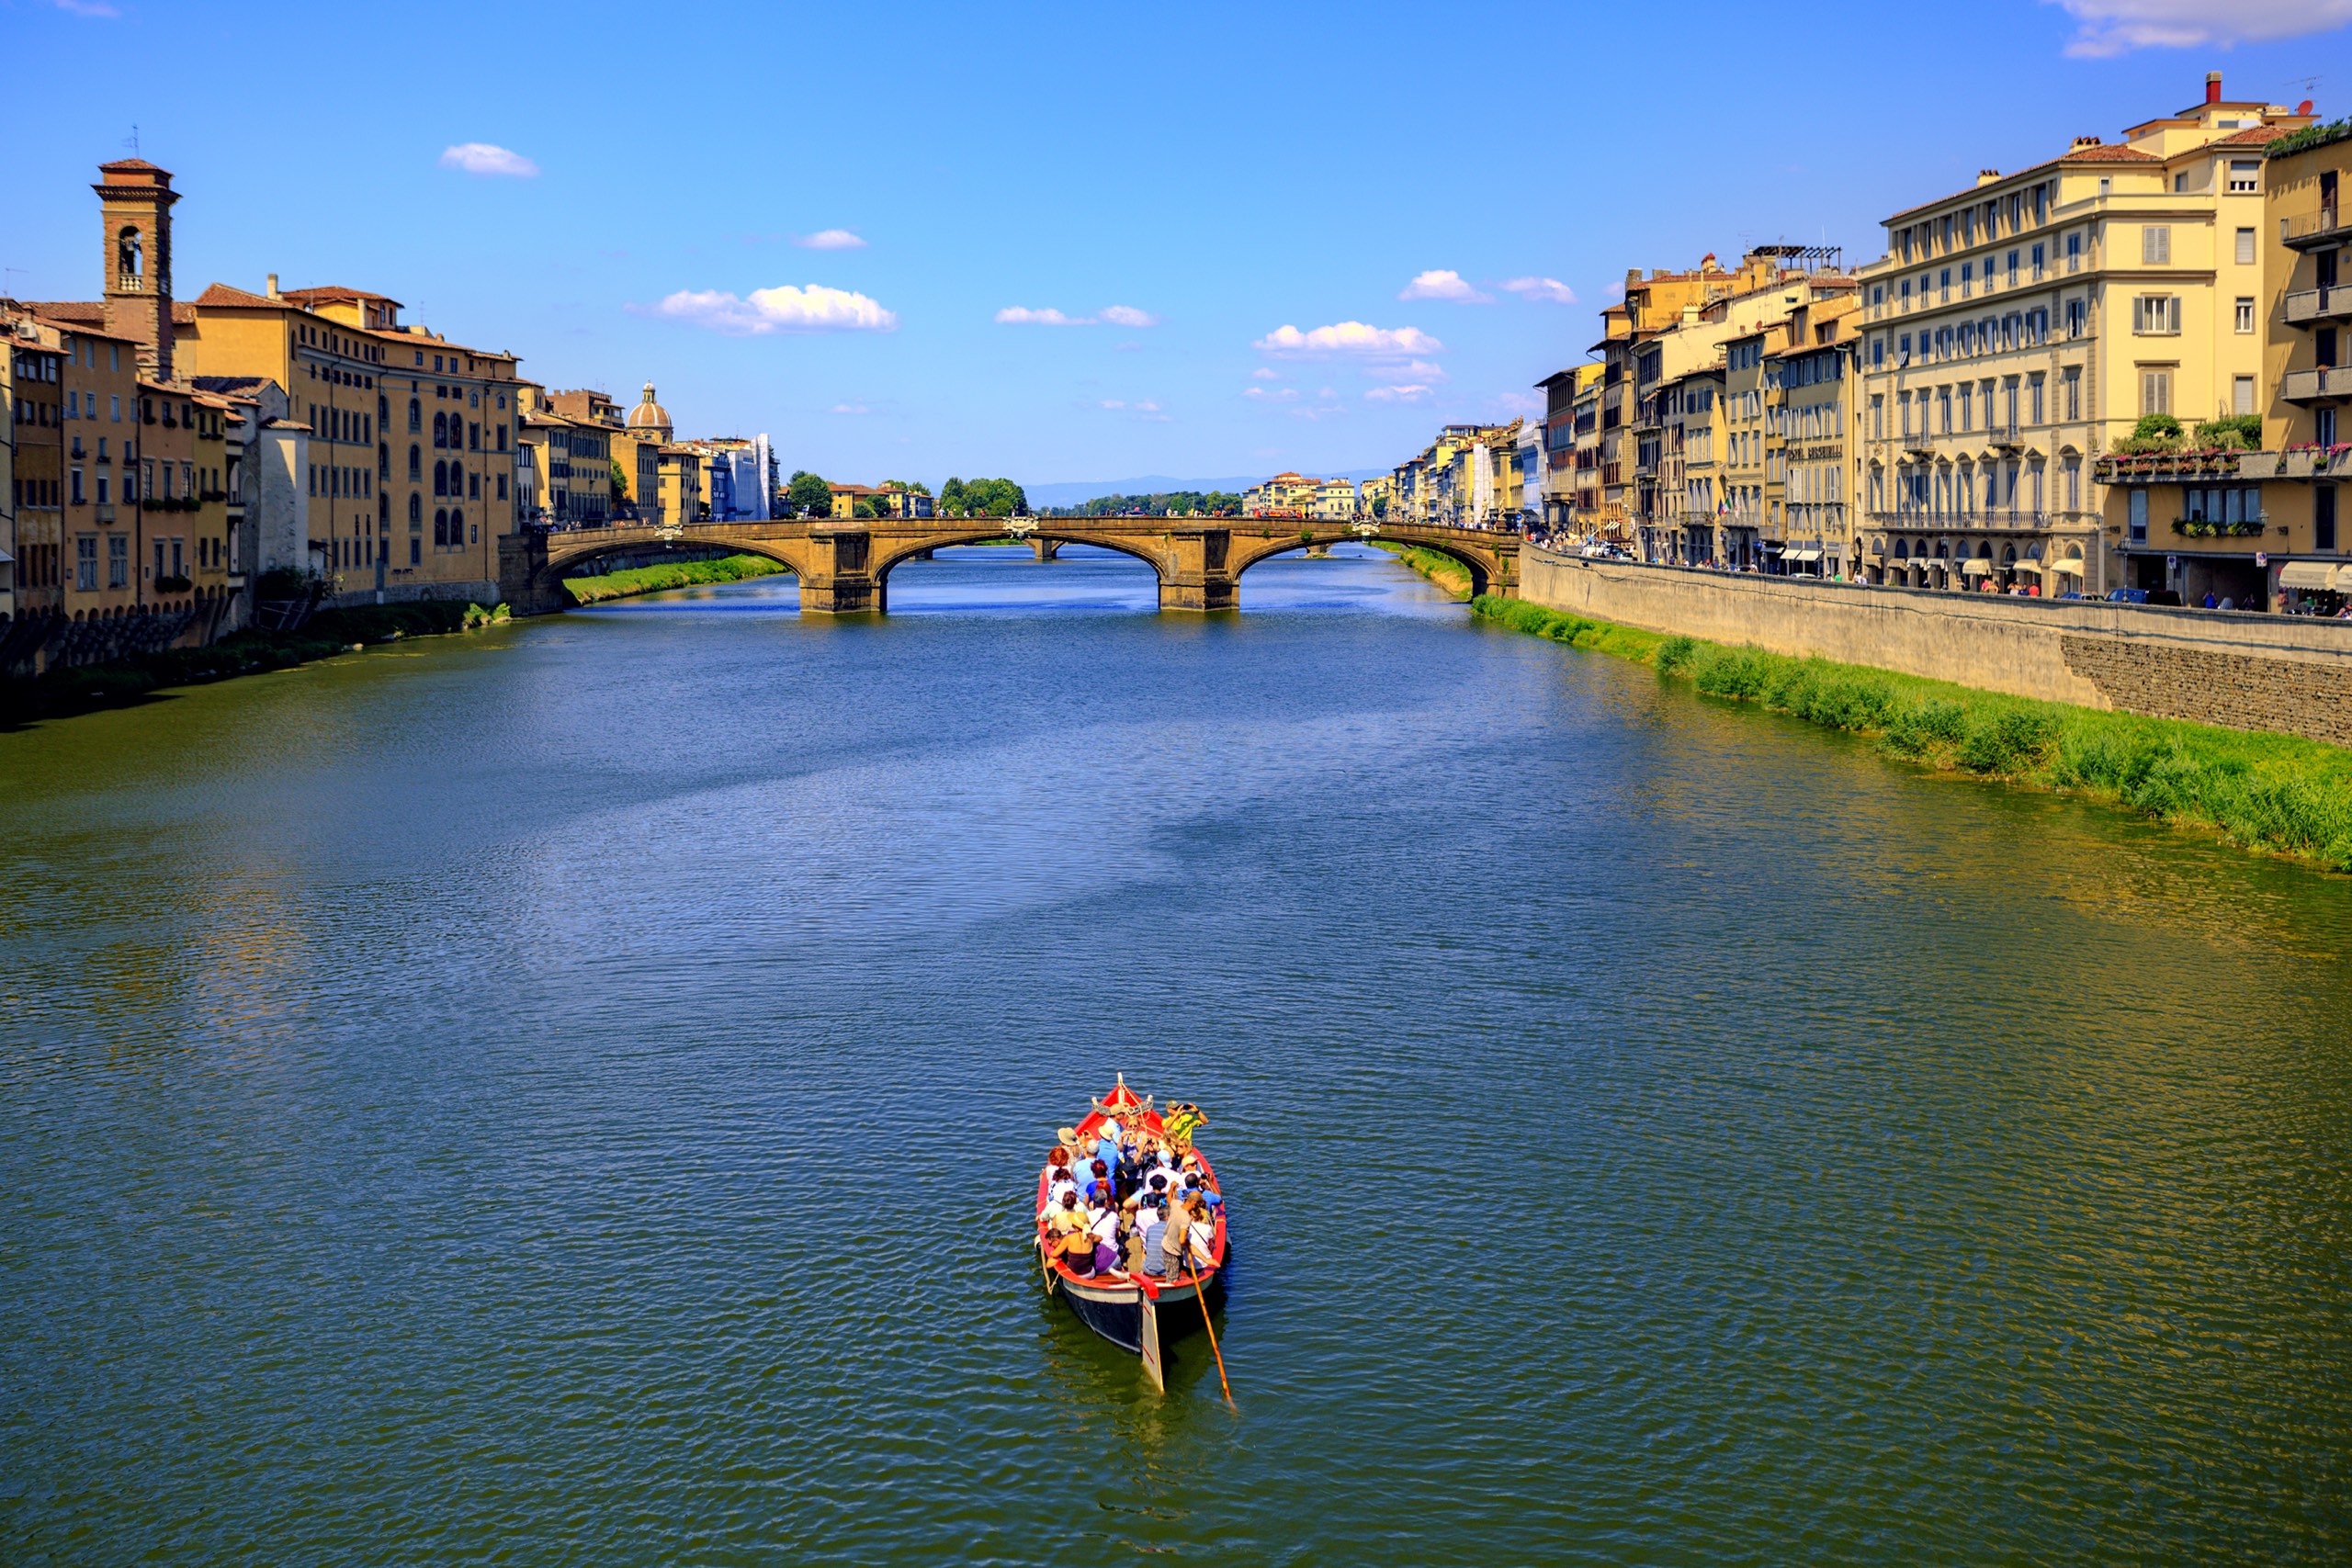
(2291,675)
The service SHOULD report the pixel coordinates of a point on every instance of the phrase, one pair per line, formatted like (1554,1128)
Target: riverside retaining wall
(2291,675)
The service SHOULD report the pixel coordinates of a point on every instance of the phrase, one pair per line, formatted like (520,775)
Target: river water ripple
(570,1095)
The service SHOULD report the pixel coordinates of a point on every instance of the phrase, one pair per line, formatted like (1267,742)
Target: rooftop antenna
(132,141)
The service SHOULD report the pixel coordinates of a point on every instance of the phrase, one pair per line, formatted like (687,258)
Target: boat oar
(1201,1294)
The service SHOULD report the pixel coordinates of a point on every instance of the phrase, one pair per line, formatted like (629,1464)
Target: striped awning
(2307,574)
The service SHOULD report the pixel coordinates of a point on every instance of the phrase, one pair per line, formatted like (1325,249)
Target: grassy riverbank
(655,578)
(67,691)
(2277,794)
(1443,570)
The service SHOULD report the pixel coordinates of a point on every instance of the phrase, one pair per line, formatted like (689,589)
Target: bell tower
(135,201)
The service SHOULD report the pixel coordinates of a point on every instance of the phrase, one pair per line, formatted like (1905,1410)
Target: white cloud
(1518,402)
(1277,394)
(1022,316)
(1143,409)
(851,408)
(87,8)
(788,309)
(2117,27)
(482,158)
(1396,394)
(1411,370)
(1550,290)
(1445,284)
(1265,373)
(1129,316)
(831,240)
(1348,337)
(1323,412)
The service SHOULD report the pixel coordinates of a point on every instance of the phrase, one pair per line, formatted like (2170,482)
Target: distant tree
(865,509)
(913,487)
(812,494)
(620,481)
(951,498)
(1380,506)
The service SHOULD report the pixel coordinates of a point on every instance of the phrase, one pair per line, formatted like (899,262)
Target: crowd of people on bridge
(1127,1202)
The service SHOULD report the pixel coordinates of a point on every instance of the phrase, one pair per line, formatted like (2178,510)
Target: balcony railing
(2003,518)
(2315,230)
(2316,386)
(2319,305)
(2003,432)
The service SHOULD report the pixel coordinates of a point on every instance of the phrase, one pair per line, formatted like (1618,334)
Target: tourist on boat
(1177,1226)
(1154,1229)
(1098,1186)
(1104,1233)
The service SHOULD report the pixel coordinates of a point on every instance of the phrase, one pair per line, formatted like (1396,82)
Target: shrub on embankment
(670,574)
(1443,569)
(2275,793)
(251,652)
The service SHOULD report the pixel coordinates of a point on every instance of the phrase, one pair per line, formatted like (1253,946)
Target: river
(571,1095)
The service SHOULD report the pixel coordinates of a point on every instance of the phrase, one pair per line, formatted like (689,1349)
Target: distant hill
(1075,491)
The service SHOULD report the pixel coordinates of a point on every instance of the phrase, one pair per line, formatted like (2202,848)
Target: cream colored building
(2016,330)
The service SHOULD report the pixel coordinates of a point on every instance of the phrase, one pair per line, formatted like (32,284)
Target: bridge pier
(840,580)
(1047,549)
(1197,574)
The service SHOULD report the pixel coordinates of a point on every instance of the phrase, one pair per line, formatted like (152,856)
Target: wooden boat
(1132,1310)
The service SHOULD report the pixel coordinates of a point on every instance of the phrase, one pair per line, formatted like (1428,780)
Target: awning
(2072,566)
(1976,567)
(2032,566)
(1801,555)
(2307,574)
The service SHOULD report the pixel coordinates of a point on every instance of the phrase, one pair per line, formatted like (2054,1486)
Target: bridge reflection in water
(844,569)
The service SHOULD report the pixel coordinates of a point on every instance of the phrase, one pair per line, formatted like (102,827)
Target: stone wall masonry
(2288,673)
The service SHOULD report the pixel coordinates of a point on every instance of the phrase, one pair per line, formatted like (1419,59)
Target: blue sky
(1180,184)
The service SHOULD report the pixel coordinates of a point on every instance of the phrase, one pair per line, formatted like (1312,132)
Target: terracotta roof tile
(220,294)
(73,311)
(140,165)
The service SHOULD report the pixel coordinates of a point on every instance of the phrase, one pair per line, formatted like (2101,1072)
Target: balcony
(2314,230)
(2175,467)
(2310,305)
(2323,385)
(2297,463)
(2003,434)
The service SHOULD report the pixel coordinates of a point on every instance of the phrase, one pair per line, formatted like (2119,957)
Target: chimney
(273,286)
(1987,176)
(2212,87)
(2083,141)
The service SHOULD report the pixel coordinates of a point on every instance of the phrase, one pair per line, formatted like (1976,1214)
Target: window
(2242,395)
(1878,416)
(117,561)
(114,409)
(1968,277)
(1906,293)
(1903,350)
(415,417)
(2245,177)
(2034,405)
(2245,247)
(2078,317)
(2013,269)
(2155,315)
(2324,517)
(440,478)
(502,487)
(2155,245)
(2243,316)
(2181,180)
(415,463)
(2137,517)
(2073,471)
(85,563)
(2155,390)
(78,497)
(1945,279)
(2071,378)
(2074,251)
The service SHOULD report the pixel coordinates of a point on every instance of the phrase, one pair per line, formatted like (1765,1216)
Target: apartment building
(37,482)
(2016,330)
(1562,390)
(1811,458)
(9,562)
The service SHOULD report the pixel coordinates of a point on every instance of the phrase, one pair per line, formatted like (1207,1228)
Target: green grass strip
(655,578)
(1443,569)
(2278,794)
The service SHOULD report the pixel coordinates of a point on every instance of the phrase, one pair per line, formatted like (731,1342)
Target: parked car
(2127,596)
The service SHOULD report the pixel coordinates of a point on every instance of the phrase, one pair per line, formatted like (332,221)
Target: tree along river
(572,1094)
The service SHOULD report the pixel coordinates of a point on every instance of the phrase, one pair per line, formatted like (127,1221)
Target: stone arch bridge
(844,568)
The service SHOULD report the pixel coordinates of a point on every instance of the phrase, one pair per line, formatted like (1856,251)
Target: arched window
(457,526)
(415,416)
(383,461)
(415,463)
(383,411)
(126,256)
(415,509)
(473,487)
(440,432)
(440,478)
(440,527)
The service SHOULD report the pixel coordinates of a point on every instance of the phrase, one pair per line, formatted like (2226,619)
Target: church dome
(649,416)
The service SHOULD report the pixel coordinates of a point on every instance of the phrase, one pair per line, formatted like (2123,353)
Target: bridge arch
(906,549)
(565,559)
(1481,564)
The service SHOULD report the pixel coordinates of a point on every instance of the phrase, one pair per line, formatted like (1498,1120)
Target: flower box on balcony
(2205,528)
